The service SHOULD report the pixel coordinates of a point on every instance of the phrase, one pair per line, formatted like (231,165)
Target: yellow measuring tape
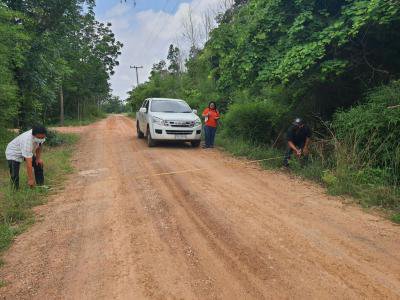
(201,169)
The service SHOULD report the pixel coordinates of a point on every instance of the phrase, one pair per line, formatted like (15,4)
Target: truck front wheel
(195,144)
(150,141)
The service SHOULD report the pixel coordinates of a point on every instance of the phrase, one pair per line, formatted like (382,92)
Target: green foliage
(357,173)
(49,48)
(258,122)
(5,137)
(373,129)
(173,57)
(244,148)
(396,218)
(80,122)
(370,186)
(114,105)
(322,47)
(13,44)
(6,236)
(55,139)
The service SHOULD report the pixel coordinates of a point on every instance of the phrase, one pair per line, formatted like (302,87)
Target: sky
(147,30)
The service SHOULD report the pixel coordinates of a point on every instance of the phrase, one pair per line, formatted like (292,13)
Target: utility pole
(137,73)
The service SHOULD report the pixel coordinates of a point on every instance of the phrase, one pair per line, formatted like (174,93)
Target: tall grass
(242,148)
(5,137)
(82,122)
(356,173)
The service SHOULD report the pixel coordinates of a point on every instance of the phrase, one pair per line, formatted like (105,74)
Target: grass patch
(55,139)
(2,283)
(16,207)
(83,122)
(241,148)
(396,218)
(131,115)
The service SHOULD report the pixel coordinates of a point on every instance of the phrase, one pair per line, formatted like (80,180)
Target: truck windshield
(168,106)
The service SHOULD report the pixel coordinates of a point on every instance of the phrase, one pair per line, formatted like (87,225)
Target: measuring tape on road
(260,160)
(171,173)
(201,169)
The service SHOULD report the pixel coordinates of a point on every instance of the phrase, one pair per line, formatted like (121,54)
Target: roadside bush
(94,112)
(396,218)
(55,138)
(368,189)
(5,137)
(355,174)
(257,122)
(372,130)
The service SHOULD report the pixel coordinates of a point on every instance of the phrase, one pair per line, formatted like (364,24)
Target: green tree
(70,56)
(114,105)
(14,42)
(173,58)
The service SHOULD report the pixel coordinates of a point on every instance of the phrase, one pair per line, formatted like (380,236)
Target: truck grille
(186,132)
(180,123)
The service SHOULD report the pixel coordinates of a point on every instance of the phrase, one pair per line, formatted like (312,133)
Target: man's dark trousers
(14,167)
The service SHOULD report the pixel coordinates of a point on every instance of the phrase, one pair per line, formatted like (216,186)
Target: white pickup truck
(169,120)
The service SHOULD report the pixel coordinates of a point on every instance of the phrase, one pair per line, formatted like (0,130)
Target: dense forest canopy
(52,51)
(314,56)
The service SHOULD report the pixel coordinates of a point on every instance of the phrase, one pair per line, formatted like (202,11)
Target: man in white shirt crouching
(28,147)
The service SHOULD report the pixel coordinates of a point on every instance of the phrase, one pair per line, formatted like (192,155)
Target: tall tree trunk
(61,106)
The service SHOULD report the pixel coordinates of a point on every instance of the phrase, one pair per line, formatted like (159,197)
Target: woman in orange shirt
(211,117)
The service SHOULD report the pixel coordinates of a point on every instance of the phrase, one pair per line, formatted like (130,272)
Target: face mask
(39,141)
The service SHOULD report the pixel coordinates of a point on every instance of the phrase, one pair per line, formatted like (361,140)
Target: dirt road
(231,232)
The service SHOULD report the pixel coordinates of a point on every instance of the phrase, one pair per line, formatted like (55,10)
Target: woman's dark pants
(14,172)
(210,135)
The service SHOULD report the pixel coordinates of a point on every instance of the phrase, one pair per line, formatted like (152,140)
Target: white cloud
(146,36)
(118,11)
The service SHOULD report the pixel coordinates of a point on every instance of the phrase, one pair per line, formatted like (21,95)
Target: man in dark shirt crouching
(298,140)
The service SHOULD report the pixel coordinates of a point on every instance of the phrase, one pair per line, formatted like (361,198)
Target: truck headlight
(158,121)
(197,122)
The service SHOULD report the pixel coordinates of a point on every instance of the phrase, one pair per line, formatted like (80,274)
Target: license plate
(180,137)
